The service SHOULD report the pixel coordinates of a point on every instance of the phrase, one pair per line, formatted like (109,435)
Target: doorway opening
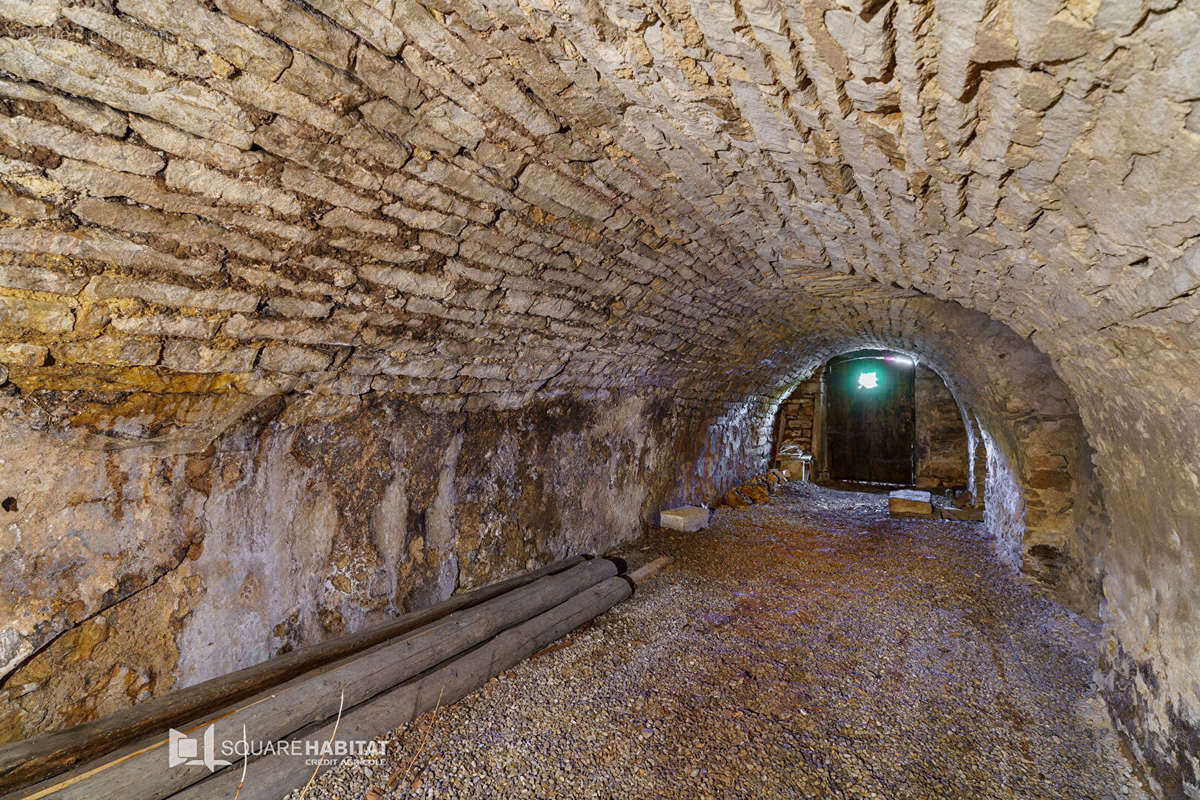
(870,428)
(878,417)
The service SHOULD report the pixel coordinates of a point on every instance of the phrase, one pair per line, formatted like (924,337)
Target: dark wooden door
(870,420)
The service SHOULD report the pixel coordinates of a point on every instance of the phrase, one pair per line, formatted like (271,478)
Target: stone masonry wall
(941,437)
(797,414)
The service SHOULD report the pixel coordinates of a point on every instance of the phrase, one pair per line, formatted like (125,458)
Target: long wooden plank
(647,571)
(142,773)
(23,763)
(271,777)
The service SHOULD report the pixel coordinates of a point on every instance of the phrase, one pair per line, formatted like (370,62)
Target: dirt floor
(809,648)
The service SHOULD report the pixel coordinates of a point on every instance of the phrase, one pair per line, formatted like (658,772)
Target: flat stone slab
(910,503)
(963,514)
(688,519)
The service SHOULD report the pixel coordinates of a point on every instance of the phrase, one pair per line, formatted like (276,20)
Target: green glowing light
(868,380)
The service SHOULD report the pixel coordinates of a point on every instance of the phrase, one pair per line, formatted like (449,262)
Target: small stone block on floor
(963,514)
(910,503)
(687,519)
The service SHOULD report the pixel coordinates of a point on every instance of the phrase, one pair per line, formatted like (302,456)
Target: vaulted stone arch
(1041,490)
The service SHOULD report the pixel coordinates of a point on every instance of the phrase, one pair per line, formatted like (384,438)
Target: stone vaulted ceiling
(495,196)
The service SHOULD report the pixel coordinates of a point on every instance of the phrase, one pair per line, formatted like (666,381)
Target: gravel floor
(811,648)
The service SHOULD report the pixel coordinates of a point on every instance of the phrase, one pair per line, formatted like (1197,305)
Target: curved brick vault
(312,312)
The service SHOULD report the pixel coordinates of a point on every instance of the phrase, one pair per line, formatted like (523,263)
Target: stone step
(688,519)
(910,503)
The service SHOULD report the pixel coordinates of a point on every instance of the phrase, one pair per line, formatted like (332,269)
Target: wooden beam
(651,569)
(272,777)
(23,763)
(139,771)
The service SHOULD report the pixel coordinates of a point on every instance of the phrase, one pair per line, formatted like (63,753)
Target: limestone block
(560,195)
(107,152)
(1177,33)
(86,72)
(289,358)
(37,279)
(282,137)
(406,280)
(508,97)
(345,218)
(18,205)
(181,325)
(299,307)
(194,356)
(99,246)
(338,272)
(454,178)
(238,44)
(363,18)
(425,219)
(1047,34)
(388,77)
(114,350)
(382,251)
(314,185)
(268,279)
(240,326)
(86,113)
(1038,91)
(255,90)
(312,34)
(688,519)
(910,503)
(23,354)
(17,312)
(141,42)
(449,121)
(193,177)
(866,43)
(100,182)
(31,12)
(168,294)
(436,242)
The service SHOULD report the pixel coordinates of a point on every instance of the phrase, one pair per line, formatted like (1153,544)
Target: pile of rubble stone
(758,490)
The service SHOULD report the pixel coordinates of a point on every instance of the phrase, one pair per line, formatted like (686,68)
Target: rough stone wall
(1146,441)
(1004,504)
(941,438)
(153,550)
(732,447)
(503,201)
(797,414)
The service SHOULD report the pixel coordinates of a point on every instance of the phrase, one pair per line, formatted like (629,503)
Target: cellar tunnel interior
(317,314)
